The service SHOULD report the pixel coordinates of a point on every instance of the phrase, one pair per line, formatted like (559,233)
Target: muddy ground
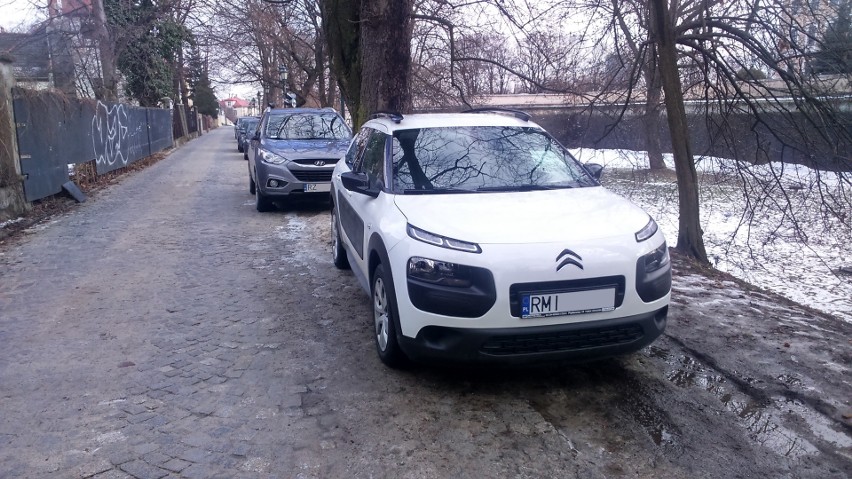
(166,329)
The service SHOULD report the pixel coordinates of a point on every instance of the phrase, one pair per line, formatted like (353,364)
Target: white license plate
(317,187)
(574,302)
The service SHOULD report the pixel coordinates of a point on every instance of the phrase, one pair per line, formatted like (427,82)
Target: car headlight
(442,241)
(647,231)
(272,158)
(657,259)
(439,272)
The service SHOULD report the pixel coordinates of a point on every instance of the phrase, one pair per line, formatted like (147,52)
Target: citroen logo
(319,163)
(567,257)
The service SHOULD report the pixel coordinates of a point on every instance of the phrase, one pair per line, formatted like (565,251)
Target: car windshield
(482,158)
(250,125)
(306,126)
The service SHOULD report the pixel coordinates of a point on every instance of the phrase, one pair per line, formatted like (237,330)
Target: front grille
(309,176)
(564,341)
(312,161)
(519,289)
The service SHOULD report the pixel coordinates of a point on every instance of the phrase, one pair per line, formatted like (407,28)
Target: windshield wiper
(429,191)
(522,187)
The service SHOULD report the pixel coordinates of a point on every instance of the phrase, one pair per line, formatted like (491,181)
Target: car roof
(390,123)
(302,110)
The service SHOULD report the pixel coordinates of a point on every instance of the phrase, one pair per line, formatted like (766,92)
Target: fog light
(273,183)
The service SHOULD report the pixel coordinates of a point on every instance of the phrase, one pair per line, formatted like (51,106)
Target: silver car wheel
(380,313)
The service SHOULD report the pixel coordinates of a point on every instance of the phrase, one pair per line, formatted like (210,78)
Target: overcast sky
(13,13)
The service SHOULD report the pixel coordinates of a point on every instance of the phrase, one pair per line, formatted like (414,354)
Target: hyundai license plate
(573,302)
(317,187)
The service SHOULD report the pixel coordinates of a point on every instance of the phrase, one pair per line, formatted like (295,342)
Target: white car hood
(524,217)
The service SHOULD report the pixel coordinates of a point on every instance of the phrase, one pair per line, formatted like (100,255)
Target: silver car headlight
(442,273)
(271,158)
(657,259)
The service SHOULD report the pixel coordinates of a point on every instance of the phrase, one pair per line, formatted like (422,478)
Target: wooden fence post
(12,201)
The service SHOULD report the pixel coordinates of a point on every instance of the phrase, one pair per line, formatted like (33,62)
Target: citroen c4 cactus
(479,238)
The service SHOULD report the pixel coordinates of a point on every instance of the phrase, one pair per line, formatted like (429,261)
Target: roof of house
(29,54)
(237,102)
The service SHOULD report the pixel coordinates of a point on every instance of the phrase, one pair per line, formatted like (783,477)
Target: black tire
(245,155)
(240,147)
(251,185)
(385,321)
(338,252)
(261,202)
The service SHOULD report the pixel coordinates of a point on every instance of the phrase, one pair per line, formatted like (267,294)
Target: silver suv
(293,153)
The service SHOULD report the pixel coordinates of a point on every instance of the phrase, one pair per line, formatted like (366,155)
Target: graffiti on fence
(109,134)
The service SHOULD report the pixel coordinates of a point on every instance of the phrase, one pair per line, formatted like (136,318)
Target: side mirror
(358,183)
(256,136)
(595,170)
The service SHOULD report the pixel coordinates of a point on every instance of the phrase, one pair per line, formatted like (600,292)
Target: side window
(374,156)
(356,148)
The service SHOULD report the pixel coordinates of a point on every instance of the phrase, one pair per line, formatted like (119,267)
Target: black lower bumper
(584,341)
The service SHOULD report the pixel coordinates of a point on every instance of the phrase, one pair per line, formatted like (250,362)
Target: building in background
(235,107)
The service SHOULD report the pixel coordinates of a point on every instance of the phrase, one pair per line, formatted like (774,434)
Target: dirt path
(165,328)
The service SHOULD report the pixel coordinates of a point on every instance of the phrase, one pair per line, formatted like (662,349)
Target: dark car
(293,153)
(247,131)
(237,125)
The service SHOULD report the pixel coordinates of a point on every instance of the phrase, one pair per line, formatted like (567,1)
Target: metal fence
(55,131)
(791,137)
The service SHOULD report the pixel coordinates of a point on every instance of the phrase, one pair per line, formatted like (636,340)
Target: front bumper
(292,180)
(576,342)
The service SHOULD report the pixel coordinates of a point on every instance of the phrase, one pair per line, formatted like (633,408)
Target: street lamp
(259,102)
(282,76)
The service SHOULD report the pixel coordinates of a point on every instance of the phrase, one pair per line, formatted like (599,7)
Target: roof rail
(394,116)
(521,115)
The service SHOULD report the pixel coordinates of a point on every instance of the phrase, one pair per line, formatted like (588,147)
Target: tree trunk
(341,28)
(180,76)
(370,51)
(386,27)
(108,89)
(690,236)
(653,114)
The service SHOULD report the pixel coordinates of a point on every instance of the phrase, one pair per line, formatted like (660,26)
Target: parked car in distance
(294,151)
(247,130)
(238,124)
(480,238)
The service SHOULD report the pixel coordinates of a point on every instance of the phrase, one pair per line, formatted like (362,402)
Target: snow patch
(761,245)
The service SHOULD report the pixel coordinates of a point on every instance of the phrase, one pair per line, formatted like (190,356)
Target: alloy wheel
(380,313)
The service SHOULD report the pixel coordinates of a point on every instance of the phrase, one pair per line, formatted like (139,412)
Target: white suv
(480,238)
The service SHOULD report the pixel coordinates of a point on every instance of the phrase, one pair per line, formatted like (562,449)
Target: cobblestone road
(166,329)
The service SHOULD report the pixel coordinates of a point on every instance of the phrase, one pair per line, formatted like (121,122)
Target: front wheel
(338,252)
(384,307)
(261,202)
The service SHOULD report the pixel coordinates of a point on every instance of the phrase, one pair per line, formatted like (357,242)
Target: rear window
(250,125)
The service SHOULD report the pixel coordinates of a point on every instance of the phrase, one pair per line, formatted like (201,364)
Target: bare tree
(369,43)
